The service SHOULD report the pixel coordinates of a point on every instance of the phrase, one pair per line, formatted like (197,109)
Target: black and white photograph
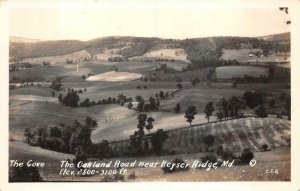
(154,93)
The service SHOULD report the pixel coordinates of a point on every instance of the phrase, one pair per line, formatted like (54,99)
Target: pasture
(240,71)
(240,55)
(115,76)
(171,53)
(75,56)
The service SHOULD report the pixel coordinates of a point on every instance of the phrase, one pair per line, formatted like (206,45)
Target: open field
(200,95)
(241,71)
(171,53)
(115,76)
(107,53)
(75,56)
(35,104)
(243,133)
(278,159)
(240,55)
(23,152)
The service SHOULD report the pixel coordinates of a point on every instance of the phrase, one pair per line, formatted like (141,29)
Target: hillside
(277,37)
(197,49)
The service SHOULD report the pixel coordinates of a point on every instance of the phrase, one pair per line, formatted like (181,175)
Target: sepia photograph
(149,94)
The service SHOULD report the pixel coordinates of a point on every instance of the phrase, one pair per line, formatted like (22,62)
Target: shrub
(264,147)
(210,158)
(227,155)
(131,176)
(246,156)
(24,174)
(175,162)
(260,111)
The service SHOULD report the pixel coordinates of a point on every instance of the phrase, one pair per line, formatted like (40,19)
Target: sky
(178,23)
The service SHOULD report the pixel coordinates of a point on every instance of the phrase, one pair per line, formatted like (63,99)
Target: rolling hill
(196,49)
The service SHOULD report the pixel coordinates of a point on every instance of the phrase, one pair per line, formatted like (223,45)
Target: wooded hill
(197,49)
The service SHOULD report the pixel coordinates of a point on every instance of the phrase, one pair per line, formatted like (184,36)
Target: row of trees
(226,108)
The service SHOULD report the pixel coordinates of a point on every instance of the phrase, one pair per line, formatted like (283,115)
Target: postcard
(199,94)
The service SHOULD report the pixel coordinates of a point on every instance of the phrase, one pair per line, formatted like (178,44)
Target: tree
(55,131)
(129,106)
(177,108)
(71,99)
(103,149)
(60,98)
(190,114)
(208,110)
(234,105)
(161,95)
(222,107)
(158,139)
(179,86)
(139,98)
(209,141)
(140,106)
(150,121)
(260,111)
(24,174)
(53,93)
(28,134)
(220,115)
(136,138)
(56,84)
(82,136)
(246,156)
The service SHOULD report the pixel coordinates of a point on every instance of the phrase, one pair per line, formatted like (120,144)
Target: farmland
(176,86)
(240,71)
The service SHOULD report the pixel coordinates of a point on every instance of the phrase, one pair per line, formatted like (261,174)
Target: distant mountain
(22,40)
(197,49)
(277,37)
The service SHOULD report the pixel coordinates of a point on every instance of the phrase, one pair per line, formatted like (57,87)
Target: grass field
(23,152)
(115,76)
(174,53)
(200,95)
(240,71)
(278,159)
(240,55)
(233,134)
(75,56)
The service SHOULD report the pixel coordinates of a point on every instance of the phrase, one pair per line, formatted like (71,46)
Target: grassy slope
(200,95)
(278,159)
(23,152)
(240,71)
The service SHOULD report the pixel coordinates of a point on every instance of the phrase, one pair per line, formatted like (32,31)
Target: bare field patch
(115,76)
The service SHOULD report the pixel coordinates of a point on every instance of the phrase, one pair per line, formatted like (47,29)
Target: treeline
(74,139)
(72,99)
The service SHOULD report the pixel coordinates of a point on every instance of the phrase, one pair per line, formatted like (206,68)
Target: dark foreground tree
(260,111)
(144,122)
(157,140)
(190,114)
(24,174)
(208,141)
(208,110)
